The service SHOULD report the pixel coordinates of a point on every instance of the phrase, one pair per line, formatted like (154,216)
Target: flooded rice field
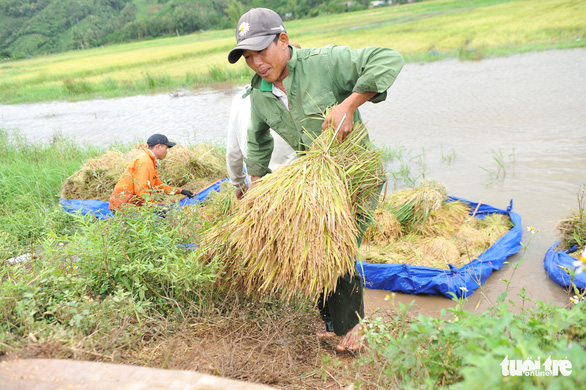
(491,131)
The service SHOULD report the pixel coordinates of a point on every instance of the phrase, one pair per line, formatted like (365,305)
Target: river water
(452,119)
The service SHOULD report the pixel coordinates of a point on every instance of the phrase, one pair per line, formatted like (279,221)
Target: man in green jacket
(290,90)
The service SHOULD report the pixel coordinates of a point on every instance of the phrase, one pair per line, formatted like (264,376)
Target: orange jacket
(138,182)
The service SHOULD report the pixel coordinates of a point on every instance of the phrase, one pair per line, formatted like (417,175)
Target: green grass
(31,176)
(464,350)
(424,31)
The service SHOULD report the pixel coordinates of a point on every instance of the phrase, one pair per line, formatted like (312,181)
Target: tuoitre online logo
(528,367)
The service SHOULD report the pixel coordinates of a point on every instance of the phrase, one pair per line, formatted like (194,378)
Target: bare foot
(352,341)
(324,333)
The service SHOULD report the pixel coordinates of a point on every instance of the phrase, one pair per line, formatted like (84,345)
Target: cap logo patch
(281,28)
(243,28)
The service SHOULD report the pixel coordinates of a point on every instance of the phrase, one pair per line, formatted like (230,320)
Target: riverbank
(422,32)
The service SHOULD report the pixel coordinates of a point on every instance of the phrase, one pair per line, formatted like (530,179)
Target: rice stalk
(193,166)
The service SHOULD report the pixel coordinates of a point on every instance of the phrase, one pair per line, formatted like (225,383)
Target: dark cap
(256,30)
(156,139)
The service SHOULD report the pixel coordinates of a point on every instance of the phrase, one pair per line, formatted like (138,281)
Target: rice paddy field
(423,31)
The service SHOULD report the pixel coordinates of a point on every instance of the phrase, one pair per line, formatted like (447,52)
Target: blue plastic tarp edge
(554,261)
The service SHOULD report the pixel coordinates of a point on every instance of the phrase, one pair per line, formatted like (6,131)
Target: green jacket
(318,78)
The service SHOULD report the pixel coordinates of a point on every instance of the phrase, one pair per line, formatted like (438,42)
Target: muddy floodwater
(455,121)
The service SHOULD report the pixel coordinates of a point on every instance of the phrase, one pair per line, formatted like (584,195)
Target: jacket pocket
(274,122)
(316,105)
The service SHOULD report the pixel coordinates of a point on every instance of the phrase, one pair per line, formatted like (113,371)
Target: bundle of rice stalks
(384,229)
(414,205)
(96,178)
(573,230)
(362,177)
(193,166)
(448,236)
(294,231)
(445,221)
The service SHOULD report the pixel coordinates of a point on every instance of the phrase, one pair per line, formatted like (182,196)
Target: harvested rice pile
(418,227)
(295,231)
(191,167)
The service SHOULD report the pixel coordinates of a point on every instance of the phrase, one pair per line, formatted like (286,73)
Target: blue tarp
(554,260)
(101,211)
(413,279)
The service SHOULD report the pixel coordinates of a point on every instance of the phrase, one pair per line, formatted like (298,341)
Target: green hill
(30,27)
(426,31)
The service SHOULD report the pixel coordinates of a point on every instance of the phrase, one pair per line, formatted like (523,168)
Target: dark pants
(342,310)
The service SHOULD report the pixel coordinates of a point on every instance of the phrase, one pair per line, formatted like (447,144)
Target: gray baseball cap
(256,29)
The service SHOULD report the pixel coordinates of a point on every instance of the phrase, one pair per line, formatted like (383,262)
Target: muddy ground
(276,346)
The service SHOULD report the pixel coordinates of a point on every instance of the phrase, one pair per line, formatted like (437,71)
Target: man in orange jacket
(141,180)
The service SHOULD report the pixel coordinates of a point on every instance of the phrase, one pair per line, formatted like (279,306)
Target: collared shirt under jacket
(318,78)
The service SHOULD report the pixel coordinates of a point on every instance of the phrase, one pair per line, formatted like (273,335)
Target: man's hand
(240,191)
(253,180)
(348,107)
(334,118)
(187,193)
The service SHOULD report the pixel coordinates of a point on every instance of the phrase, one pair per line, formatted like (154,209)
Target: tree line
(31,27)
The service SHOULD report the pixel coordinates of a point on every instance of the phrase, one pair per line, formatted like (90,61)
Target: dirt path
(53,374)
